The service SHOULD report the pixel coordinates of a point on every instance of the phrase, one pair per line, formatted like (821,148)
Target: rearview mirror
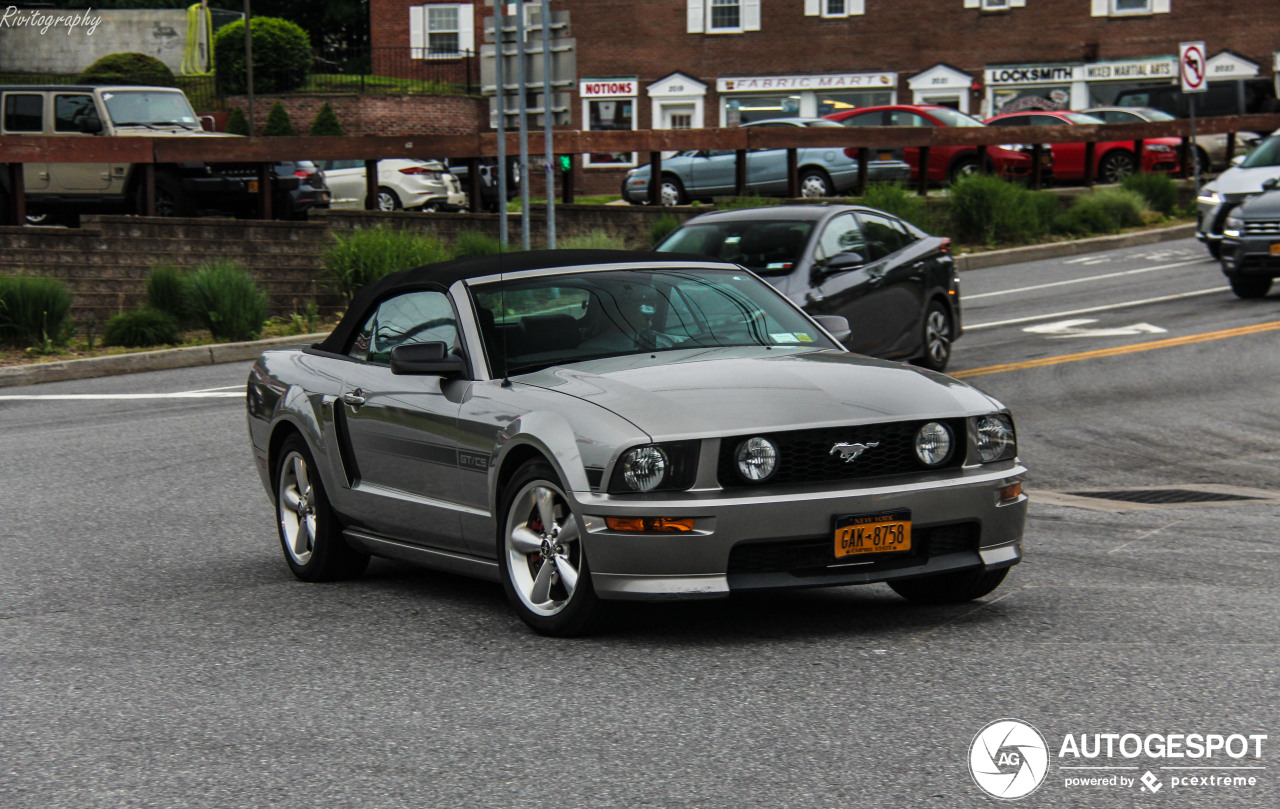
(418,359)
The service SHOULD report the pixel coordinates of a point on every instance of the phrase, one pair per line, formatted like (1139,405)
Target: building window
(835,8)
(682,120)
(724,15)
(441,30)
(1132,6)
(995,5)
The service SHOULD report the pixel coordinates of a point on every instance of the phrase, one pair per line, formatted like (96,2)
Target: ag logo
(1008,759)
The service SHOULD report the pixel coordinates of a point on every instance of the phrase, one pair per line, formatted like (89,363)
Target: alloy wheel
(544,552)
(297,508)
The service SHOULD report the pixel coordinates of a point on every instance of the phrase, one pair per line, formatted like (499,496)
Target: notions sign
(1192,67)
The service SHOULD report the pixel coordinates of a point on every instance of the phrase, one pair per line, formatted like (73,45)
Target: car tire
(964,167)
(939,332)
(1215,249)
(170,200)
(671,192)
(814,184)
(950,588)
(553,596)
(387,200)
(310,534)
(1250,288)
(1115,166)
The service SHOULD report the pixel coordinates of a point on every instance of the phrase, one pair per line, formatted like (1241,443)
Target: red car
(1113,160)
(945,162)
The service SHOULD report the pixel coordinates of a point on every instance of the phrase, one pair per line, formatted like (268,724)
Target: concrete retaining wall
(54,41)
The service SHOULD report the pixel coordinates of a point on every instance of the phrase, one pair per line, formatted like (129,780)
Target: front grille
(1262,227)
(805,456)
(814,556)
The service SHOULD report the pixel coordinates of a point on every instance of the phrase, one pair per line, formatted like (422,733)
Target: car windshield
(1082,118)
(767,247)
(142,107)
(555,320)
(1265,154)
(950,117)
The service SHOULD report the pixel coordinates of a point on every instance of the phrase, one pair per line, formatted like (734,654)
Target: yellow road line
(1170,342)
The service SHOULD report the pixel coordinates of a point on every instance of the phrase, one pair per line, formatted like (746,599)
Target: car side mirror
(423,359)
(90,126)
(841,262)
(1270,183)
(1237,160)
(837,325)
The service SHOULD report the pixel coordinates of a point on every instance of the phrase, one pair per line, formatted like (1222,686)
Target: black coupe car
(895,284)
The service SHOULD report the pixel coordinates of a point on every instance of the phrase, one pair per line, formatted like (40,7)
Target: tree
(326,122)
(128,68)
(278,123)
(281,56)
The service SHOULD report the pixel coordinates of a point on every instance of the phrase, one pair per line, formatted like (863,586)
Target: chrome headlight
(1233,227)
(1208,196)
(994,438)
(933,444)
(757,459)
(1159,147)
(644,468)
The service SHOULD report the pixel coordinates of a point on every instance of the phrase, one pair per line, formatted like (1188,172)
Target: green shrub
(278,123)
(223,298)
(737,203)
(475,243)
(592,240)
(33,311)
(167,292)
(1084,221)
(902,203)
(364,256)
(281,56)
(141,328)
(128,68)
(237,123)
(663,227)
(987,210)
(326,122)
(1159,191)
(1104,211)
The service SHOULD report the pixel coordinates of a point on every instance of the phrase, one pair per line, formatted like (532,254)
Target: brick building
(706,63)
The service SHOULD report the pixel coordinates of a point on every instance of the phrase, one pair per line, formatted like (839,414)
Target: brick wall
(377,114)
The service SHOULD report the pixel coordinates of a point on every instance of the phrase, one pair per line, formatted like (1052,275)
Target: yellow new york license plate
(253,186)
(873,533)
(1275,249)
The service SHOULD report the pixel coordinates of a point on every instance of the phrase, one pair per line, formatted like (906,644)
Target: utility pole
(548,108)
(522,119)
(500,97)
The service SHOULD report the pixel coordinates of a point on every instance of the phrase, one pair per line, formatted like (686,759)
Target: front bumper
(1250,257)
(784,538)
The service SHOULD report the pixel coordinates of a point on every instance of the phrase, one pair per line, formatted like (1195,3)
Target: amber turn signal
(1010,492)
(650,525)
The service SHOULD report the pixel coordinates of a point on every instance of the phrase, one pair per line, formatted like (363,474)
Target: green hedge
(128,68)
(141,328)
(363,256)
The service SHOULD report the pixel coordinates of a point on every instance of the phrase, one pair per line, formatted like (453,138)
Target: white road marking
(85,397)
(1052,284)
(1089,260)
(224,387)
(1107,308)
(1072,328)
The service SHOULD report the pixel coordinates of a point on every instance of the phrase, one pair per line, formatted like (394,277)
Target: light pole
(248,60)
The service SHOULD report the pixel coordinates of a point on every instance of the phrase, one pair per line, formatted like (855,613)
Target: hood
(1264,206)
(151,131)
(1237,180)
(699,393)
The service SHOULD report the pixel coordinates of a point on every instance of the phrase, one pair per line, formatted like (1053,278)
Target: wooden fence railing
(148,153)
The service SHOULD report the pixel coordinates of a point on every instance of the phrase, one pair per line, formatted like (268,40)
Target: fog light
(650,525)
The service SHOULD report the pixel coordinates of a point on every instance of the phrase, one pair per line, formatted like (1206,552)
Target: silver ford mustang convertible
(586,426)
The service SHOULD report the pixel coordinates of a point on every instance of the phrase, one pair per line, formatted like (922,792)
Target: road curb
(164,359)
(168,358)
(1037,252)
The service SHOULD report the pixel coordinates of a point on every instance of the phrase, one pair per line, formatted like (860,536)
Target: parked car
(488,179)
(703,174)
(63,191)
(413,185)
(1250,247)
(946,163)
(1113,160)
(1218,197)
(1229,97)
(587,426)
(1211,150)
(895,284)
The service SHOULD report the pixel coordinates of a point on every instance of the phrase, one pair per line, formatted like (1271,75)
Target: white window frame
(997,5)
(586,127)
(819,8)
(699,17)
(420,33)
(711,6)
(1107,8)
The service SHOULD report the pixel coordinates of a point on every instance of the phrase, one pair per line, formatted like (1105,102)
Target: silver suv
(66,190)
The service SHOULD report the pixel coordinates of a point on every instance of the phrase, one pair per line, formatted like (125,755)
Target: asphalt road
(156,652)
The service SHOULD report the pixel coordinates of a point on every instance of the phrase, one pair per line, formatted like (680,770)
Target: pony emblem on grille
(850,452)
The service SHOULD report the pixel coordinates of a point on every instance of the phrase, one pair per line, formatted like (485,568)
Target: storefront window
(745,109)
(1104,94)
(607,115)
(847,100)
(1018,99)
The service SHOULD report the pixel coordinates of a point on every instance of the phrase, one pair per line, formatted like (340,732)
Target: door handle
(355,398)
(875,276)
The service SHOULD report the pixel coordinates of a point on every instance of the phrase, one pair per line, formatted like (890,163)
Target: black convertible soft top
(444,274)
